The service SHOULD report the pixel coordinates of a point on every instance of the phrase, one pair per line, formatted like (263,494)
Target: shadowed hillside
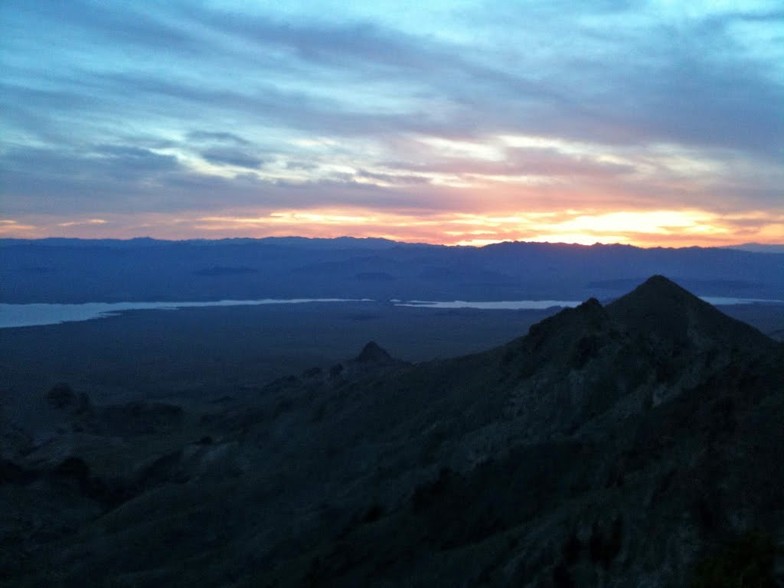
(633,444)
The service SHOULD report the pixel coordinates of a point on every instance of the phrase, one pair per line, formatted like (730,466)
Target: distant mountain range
(759,248)
(73,270)
(637,443)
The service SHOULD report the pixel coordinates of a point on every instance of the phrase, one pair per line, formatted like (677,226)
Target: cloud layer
(379,119)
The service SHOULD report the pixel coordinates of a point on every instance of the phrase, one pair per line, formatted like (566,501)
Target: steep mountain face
(670,316)
(637,444)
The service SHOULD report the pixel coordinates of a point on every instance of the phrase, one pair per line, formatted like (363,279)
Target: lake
(30,315)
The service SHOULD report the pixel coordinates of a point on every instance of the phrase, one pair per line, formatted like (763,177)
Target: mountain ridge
(596,450)
(149,270)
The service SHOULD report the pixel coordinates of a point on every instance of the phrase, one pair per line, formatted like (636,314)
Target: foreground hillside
(633,444)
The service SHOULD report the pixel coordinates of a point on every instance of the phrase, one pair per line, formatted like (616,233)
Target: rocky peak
(662,309)
(556,332)
(373,353)
(658,291)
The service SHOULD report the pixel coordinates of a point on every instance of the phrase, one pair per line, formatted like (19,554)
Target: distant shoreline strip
(42,314)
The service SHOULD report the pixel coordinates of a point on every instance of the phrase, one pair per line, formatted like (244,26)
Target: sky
(657,123)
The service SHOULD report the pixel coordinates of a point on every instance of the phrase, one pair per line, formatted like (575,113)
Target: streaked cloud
(80,223)
(622,114)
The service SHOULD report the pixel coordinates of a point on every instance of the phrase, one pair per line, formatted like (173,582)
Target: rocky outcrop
(62,397)
(632,444)
(373,354)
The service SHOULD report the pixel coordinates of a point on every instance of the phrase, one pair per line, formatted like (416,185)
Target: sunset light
(441,293)
(439,124)
(670,228)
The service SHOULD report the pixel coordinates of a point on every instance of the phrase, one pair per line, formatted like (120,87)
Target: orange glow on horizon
(644,228)
(449,191)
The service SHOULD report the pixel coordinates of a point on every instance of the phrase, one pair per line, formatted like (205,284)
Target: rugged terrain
(633,444)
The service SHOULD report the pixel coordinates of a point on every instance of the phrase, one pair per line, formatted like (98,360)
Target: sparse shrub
(432,445)
(586,349)
(73,467)
(614,542)
(508,357)
(604,548)
(61,396)
(747,562)
(571,548)
(83,405)
(313,576)
(15,474)
(318,414)
(283,405)
(428,492)
(561,577)
(374,512)
(595,543)
(707,512)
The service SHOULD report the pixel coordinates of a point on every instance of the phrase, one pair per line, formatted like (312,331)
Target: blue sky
(453,122)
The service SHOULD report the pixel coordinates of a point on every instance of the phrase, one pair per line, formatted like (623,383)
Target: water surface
(490,305)
(30,315)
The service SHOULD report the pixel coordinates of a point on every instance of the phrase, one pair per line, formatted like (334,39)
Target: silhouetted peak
(656,294)
(560,330)
(661,307)
(590,305)
(373,353)
(589,313)
(659,284)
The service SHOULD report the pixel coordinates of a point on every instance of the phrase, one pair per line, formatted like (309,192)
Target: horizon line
(402,242)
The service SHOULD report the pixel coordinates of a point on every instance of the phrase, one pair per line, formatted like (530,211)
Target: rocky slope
(633,444)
